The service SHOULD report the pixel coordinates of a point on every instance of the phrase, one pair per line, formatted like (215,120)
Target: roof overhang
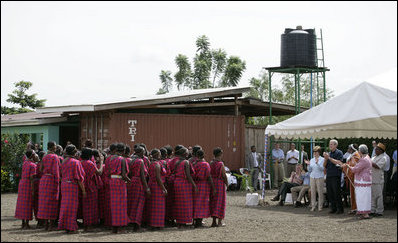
(152,100)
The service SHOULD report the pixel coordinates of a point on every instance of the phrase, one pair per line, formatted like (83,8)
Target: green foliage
(284,94)
(207,65)
(12,150)
(166,79)
(246,183)
(183,75)
(219,62)
(21,98)
(5,181)
(12,110)
(233,72)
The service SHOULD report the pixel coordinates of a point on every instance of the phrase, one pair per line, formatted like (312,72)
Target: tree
(202,63)
(219,62)
(285,94)
(183,75)
(166,79)
(233,72)
(210,68)
(20,97)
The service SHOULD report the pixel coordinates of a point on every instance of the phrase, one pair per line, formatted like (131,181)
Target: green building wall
(50,133)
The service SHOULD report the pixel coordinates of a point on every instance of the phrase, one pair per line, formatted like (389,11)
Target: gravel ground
(261,223)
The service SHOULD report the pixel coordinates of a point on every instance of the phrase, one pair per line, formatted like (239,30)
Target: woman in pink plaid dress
(170,177)
(137,189)
(105,179)
(90,202)
(24,208)
(72,174)
(183,193)
(49,187)
(156,202)
(118,171)
(99,162)
(204,182)
(218,201)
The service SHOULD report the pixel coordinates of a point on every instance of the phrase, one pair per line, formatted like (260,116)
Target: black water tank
(298,48)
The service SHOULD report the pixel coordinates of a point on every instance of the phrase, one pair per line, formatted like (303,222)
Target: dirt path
(262,223)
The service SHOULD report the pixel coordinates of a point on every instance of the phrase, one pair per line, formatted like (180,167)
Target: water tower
(299,56)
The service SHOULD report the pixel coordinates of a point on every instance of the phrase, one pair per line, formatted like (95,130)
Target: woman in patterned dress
(118,170)
(137,189)
(72,177)
(204,182)
(218,201)
(362,182)
(156,202)
(24,208)
(184,186)
(90,202)
(49,187)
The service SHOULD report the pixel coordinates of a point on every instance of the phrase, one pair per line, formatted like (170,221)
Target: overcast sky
(84,52)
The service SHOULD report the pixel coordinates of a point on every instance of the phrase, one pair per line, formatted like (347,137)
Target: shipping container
(157,130)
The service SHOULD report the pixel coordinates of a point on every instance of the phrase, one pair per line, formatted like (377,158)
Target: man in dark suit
(254,162)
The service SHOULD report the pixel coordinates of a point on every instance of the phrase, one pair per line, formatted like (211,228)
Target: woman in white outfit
(316,170)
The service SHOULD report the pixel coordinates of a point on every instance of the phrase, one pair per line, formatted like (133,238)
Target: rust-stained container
(157,130)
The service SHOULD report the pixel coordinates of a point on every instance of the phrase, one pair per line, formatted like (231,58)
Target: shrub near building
(13,147)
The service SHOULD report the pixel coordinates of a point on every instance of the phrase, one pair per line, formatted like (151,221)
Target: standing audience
(333,163)
(316,169)
(292,158)
(378,165)
(363,179)
(279,171)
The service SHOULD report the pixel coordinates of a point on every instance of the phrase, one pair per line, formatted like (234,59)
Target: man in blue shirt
(333,163)
(279,171)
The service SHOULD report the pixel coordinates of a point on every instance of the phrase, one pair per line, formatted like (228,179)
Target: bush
(5,181)
(13,147)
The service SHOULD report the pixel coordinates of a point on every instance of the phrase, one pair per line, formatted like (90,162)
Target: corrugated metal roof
(150,100)
(31,118)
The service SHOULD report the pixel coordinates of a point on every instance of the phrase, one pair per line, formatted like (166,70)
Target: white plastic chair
(267,178)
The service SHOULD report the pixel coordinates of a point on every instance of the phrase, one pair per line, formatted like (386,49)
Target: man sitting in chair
(294,180)
(254,163)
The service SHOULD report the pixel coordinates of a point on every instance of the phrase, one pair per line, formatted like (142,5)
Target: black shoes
(298,204)
(339,211)
(280,203)
(276,198)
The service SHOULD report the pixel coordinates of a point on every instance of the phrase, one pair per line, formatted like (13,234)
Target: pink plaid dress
(90,203)
(201,199)
(37,184)
(106,177)
(183,196)
(218,202)
(24,208)
(101,193)
(156,203)
(135,192)
(49,188)
(170,177)
(117,193)
(71,172)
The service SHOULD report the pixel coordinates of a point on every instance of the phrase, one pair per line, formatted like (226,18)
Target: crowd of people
(361,174)
(163,187)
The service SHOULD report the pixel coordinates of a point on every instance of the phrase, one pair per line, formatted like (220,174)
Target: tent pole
(265,165)
(310,108)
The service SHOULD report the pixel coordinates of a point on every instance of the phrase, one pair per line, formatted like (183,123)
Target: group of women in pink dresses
(154,190)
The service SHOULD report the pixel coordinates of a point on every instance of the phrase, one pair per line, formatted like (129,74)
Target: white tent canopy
(366,110)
